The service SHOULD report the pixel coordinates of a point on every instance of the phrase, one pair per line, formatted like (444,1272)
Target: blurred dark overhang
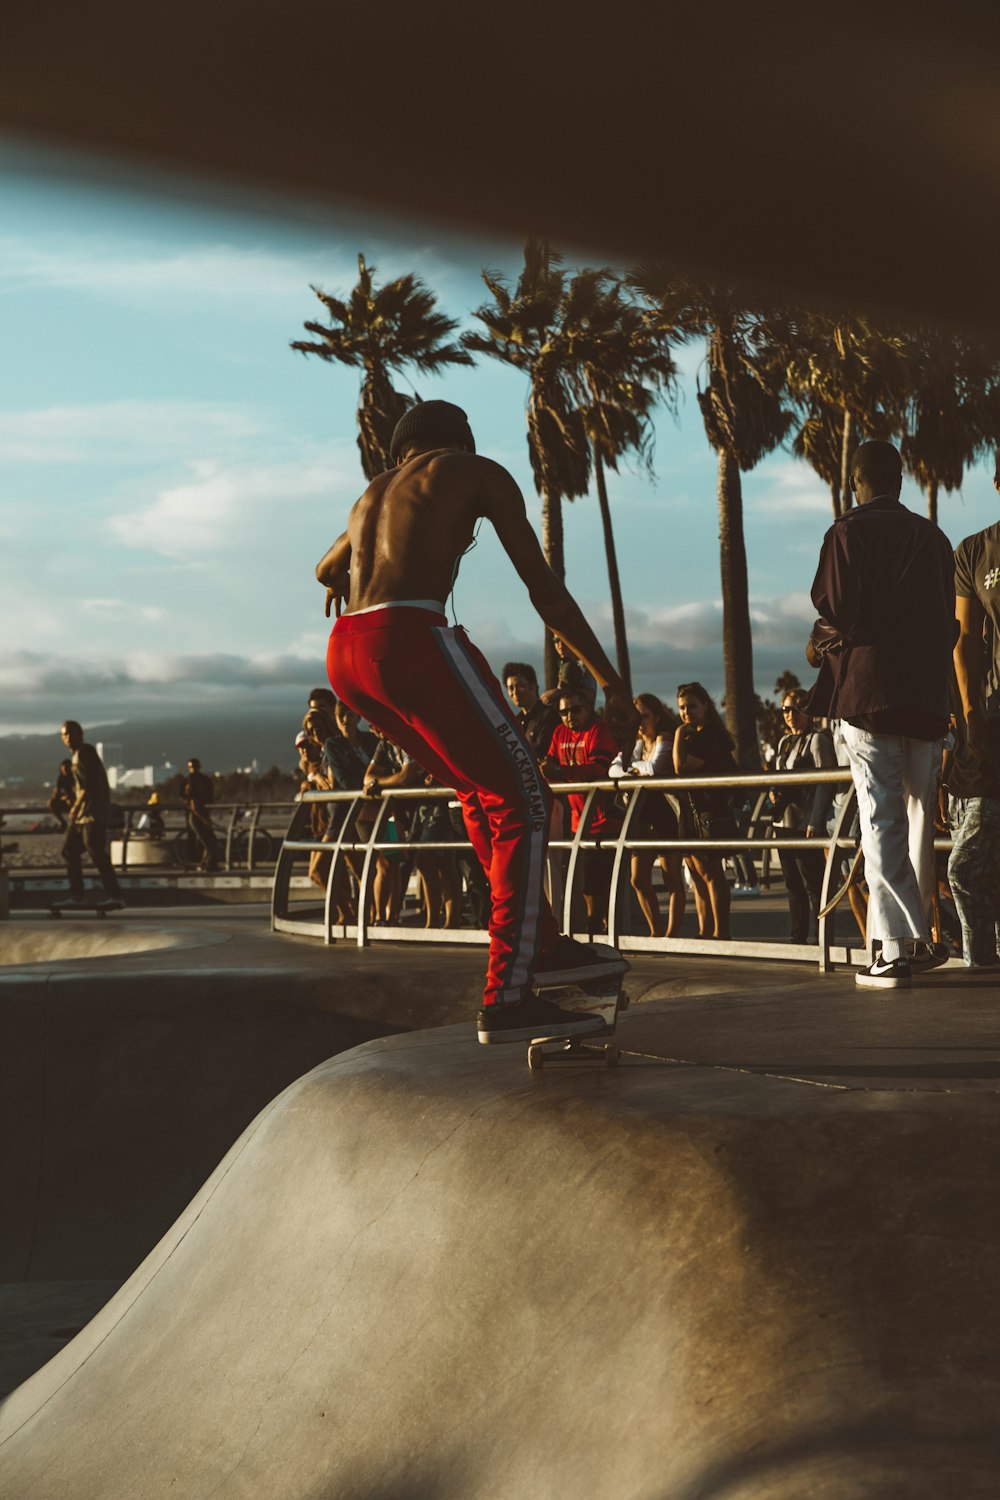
(843,153)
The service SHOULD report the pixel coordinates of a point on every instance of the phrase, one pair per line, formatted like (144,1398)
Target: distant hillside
(222,742)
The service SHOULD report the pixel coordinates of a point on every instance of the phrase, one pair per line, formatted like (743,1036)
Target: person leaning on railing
(318,729)
(704,747)
(801,812)
(652,755)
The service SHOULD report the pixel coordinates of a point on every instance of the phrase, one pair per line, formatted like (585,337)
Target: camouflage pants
(974,875)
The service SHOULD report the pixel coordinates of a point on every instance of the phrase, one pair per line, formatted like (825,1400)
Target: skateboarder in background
(394,659)
(88,817)
(198,791)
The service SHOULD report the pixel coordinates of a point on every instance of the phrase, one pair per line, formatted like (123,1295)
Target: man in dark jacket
(88,817)
(885,593)
(197,793)
(538,720)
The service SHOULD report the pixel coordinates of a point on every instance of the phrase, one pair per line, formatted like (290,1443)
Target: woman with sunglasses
(801,813)
(703,746)
(653,756)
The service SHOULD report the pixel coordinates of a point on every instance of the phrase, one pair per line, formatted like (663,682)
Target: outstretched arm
(334,570)
(504,507)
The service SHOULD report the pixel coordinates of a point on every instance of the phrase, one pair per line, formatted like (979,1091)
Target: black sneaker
(884,974)
(534,1019)
(928,956)
(570,962)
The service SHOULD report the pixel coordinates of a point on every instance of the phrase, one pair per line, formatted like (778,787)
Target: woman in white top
(653,756)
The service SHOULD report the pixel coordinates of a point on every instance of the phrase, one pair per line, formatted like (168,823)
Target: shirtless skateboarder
(393,658)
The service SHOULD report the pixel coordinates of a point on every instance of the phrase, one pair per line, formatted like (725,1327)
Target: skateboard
(68,908)
(606,998)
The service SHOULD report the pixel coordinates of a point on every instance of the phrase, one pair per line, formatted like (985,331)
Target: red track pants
(427,687)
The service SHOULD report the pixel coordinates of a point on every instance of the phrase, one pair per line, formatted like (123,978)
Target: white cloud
(29,675)
(142,272)
(787,487)
(125,431)
(226,505)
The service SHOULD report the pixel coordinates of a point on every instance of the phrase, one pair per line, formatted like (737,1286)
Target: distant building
(125,778)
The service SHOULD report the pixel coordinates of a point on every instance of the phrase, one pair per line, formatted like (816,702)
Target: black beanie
(431,424)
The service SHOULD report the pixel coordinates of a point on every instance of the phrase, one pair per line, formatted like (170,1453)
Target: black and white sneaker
(534,1019)
(928,956)
(884,974)
(570,962)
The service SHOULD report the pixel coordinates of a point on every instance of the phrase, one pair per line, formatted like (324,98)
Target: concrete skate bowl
(36,942)
(424,1272)
(124,1083)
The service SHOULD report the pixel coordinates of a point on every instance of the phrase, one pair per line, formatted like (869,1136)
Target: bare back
(411,526)
(406,536)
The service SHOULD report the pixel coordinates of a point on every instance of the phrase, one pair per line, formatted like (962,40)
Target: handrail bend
(299,841)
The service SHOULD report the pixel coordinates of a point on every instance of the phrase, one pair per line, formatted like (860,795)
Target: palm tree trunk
(614,580)
(552,546)
(835,497)
(932,500)
(737,642)
(848,444)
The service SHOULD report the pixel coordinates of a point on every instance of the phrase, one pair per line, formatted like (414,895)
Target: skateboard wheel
(536,1059)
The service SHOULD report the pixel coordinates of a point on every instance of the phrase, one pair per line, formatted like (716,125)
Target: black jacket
(885,593)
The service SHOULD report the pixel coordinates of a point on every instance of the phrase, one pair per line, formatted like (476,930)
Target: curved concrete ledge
(29,944)
(424,1272)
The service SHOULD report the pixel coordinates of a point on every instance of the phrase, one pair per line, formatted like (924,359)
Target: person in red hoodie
(582,749)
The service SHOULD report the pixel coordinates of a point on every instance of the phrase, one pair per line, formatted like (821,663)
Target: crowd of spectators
(572,744)
(876,708)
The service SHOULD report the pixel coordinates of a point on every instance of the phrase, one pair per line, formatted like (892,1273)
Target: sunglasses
(571,708)
(792,708)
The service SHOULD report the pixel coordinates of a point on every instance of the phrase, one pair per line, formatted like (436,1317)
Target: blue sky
(172,471)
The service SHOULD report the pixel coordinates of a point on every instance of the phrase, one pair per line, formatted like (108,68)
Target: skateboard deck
(70,908)
(606,998)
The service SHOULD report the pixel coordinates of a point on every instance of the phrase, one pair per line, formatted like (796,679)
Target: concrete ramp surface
(424,1272)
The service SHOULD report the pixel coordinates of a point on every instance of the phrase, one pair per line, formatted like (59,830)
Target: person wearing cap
(394,659)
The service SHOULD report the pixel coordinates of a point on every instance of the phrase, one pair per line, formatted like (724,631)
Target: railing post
(574,858)
(635,793)
(337,850)
(832,860)
(126,831)
(371,854)
(229,835)
(254,816)
(285,864)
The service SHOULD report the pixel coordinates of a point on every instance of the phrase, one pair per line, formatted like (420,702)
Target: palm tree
(950,410)
(524,328)
(596,373)
(820,441)
(845,375)
(745,418)
(380,330)
(622,370)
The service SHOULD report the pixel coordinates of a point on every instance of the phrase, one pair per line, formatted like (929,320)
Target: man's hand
(622,719)
(333,596)
(551,769)
(372,787)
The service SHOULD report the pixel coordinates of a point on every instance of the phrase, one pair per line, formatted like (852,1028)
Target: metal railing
(244,843)
(759,843)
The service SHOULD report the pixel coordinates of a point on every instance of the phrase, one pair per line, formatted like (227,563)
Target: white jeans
(895,778)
